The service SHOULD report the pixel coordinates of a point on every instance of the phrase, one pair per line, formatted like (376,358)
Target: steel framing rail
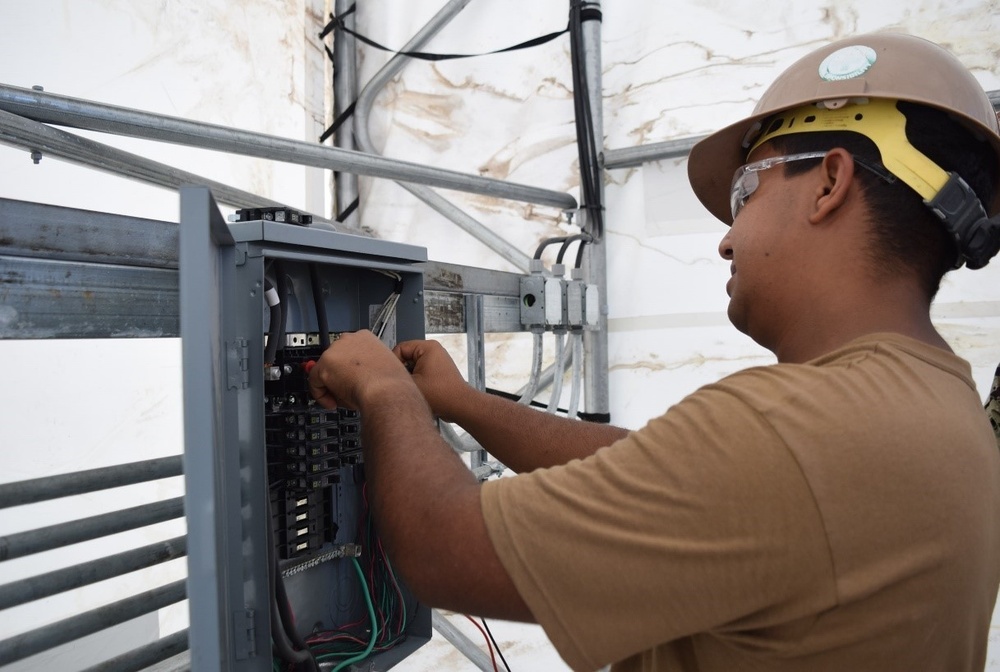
(77,113)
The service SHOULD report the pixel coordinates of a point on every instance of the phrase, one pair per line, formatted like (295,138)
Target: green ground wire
(371,615)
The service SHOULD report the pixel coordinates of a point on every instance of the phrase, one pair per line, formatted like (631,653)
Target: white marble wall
(670,70)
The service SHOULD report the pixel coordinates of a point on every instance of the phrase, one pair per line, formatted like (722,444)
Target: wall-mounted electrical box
(282,547)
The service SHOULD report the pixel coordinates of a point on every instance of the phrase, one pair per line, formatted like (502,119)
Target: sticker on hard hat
(847,63)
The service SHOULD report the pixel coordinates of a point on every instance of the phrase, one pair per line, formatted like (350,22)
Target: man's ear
(837,177)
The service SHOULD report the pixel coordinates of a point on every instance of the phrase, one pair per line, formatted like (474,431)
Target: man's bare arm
(425,500)
(521,437)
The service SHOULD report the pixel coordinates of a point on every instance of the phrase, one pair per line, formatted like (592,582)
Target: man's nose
(726,247)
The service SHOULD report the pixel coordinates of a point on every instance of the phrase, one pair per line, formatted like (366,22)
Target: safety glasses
(745,181)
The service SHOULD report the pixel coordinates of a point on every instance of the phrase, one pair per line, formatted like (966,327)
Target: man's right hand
(435,374)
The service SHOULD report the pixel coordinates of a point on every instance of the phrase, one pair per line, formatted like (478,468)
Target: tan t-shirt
(839,515)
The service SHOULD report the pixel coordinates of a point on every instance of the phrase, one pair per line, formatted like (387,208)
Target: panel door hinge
(237,364)
(245,633)
(241,254)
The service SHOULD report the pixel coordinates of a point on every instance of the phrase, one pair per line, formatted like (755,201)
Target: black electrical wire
(514,397)
(583,238)
(590,171)
(274,328)
(317,290)
(549,241)
(283,635)
(496,647)
(281,281)
(579,253)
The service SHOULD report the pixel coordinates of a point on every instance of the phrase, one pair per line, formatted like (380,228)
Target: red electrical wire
(489,645)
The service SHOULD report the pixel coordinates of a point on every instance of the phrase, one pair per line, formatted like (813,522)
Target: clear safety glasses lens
(745,181)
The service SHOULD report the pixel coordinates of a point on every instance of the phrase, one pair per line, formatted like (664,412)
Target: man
(839,510)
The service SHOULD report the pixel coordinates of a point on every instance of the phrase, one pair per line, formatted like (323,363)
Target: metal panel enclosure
(275,498)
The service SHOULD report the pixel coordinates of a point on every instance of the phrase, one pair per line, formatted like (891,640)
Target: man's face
(763,249)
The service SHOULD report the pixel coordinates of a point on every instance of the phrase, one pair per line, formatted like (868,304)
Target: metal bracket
(241,254)
(245,633)
(237,364)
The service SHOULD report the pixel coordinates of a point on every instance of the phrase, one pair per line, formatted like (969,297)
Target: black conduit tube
(273,301)
(284,637)
(281,280)
(85,529)
(317,290)
(92,480)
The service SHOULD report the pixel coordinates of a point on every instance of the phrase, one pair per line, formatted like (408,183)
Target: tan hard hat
(879,65)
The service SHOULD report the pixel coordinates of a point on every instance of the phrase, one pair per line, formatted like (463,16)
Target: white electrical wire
(557,374)
(574,390)
(536,369)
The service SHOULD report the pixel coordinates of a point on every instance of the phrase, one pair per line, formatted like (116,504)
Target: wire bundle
(388,616)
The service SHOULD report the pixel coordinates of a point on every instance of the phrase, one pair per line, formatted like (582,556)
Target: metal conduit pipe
(557,381)
(73,532)
(91,480)
(145,656)
(548,375)
(87,573)
(366,99)
(446,629)
(595,343)
(32,135)
(345,90)
(460,443)
(47,637)
(74,112)
(531,389)
(575,384)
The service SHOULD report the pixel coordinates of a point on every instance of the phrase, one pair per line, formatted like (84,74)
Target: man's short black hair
(905,233)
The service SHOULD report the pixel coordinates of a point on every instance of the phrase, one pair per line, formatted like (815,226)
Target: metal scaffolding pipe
(145,656)
(46,538)
(629,157)
(74,112)
(50,636)
(91,480)
(32,135)
(365,102)
(59,581)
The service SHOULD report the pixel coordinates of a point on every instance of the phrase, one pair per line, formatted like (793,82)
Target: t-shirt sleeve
(701,521)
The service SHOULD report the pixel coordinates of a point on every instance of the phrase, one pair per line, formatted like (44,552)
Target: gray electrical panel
(282,548)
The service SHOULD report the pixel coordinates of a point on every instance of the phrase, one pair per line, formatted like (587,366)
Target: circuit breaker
(283,552)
